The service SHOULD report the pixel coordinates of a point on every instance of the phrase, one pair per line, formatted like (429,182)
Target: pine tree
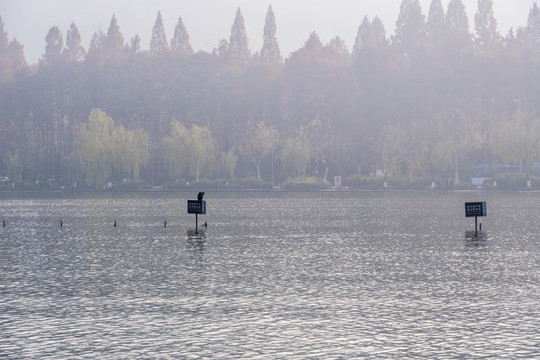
(74,51)
(114,42)
(410,26)
(370,35)
(97,42)
(4,41)
(313,43)
(134,45)
(16,53)
(486,24)
(270,52)
(379,32)
(456,17)
(435,25)
(180,41)
(55,44)
(238,44)
(5,63)
(158,43)
(363,36)
(338,46)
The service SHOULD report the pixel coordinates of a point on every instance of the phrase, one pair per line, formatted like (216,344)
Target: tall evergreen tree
(97,45)
(97,41)
(313,43)
(338,47)
(379,32)
(4,40)
(363,36)
(486,24)
(74,50)
(5,63)
(410,26)
(532,31)
(16,53)
(180,41)
(158,43)
(369,35)
(55,44)
(456,17)
(238,44)
(134,45)
(435,25)
(270,52)
(114,42)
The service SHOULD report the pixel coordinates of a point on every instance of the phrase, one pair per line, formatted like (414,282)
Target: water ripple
(365,277)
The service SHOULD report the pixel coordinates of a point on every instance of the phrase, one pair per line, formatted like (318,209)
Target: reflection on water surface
(339,275)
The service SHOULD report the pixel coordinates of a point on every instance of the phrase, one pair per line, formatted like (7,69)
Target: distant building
(482,174)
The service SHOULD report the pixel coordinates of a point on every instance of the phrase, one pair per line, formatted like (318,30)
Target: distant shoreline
(3,193)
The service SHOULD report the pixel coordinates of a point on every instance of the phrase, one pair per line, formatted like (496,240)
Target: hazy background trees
(429,101)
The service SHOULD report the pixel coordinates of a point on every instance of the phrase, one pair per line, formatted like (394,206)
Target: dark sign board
(196,207)
(473,209)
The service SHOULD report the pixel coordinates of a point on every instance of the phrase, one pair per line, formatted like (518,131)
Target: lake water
(274,275)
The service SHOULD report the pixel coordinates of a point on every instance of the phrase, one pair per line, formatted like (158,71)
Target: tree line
(429,101)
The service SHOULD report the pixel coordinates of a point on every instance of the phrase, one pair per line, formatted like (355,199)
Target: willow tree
(130,152)
(227,164)
(258,142)
(177,145)
(517,140)
(295,157)
(190,153)
(202,158)
(96,148)
(103,147)
(394,152)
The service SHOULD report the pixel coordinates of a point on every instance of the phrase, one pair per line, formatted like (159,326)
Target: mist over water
(287,275)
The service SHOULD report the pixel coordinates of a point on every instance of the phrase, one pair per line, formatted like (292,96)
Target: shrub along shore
(512,182)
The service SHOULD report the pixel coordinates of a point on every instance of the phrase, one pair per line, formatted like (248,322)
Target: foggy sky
(209,21)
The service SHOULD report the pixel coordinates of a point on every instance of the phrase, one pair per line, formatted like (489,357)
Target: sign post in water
(197,207)
(475,209)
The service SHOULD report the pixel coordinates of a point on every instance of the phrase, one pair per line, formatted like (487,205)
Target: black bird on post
(200,196)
